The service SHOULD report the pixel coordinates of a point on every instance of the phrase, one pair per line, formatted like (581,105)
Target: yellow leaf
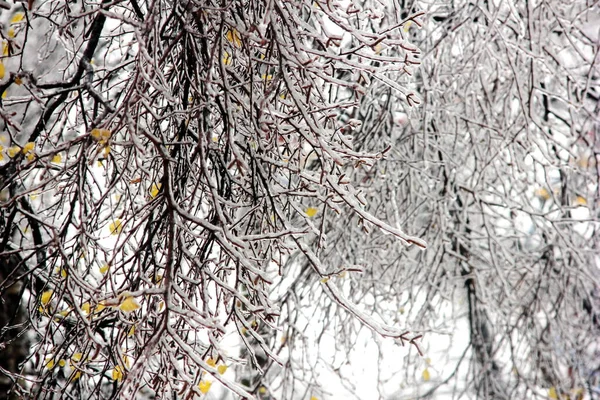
(61,272)
(407,26)
(11,33)
(64,313)
(76,357)
(86,307)
(542,193)
(552,393)
(262,390)
(311,211)
(222,369)
(46,296)
(13,151)
(314,398)
(106,150)
(324,280)
(104,268)
(62,362)
(378,47)
(154,189)
(50,364)
(115,227)
(131,331)
(18,81)
(211,362)
(28,148)
(96,133)
(129,305)
(117,374)
(126,361)
(266,77)
(99,307)
(204,386)
(100,135)
(227,60)
(18,17)
(2,71)
(30,156)
(233,36)
(580,201)
(426,375)
(76,376)
(56,159)
(5,48)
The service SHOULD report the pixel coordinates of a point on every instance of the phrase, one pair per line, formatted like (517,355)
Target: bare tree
(169,172)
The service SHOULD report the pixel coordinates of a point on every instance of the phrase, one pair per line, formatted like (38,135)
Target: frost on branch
(182,165)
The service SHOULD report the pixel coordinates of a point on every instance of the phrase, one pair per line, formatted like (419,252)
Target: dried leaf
(204,386)
(13,151)
(154,189)
(117,374)
(233,36)
(542,193)
(129,305)
(115,227)
(227,59)
(46,296)
(18,17)
(426,376)
(311,211)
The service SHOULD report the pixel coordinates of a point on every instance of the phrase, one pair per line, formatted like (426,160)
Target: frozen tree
(217,193)
(498,171)
(170,173)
